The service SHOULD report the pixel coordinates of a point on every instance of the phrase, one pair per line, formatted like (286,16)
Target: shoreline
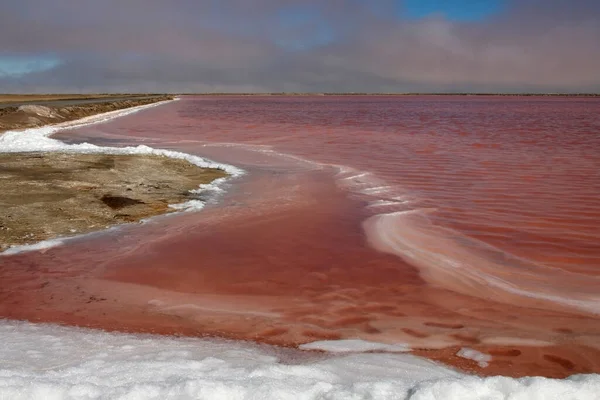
(55,187)
(236,369)
(48,196)
(292,94)
(105,302)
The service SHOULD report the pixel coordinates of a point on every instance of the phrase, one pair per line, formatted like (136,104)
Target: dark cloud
(338,45)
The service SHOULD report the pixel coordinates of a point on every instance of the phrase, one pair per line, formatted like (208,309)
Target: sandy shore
(45,195)
(48,195)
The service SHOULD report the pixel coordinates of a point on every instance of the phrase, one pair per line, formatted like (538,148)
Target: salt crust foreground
(38,140)
(40,361)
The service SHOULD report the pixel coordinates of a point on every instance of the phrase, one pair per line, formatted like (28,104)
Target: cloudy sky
(300,45)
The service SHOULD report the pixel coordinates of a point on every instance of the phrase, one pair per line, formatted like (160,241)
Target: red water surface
(439,222)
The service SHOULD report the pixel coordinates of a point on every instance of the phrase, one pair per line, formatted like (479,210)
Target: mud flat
(45,195)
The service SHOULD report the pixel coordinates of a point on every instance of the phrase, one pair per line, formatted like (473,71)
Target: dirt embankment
(35,115)
(46,195)
(21,98)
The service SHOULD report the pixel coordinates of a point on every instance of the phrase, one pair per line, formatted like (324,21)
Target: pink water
(433,221)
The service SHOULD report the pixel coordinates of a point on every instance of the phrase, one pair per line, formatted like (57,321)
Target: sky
(391,46)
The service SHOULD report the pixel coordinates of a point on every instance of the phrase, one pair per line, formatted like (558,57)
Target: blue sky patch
(457,10)
(15,66)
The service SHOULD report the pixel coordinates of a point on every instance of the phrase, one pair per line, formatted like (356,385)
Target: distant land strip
(40,111)
(36,97)
(46,97)
(392,94)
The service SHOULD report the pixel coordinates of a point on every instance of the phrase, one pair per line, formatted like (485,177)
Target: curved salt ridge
(40,361)
(462,264)
(37,139)
(457,262)
(353,346)
(268,149)
(459,267)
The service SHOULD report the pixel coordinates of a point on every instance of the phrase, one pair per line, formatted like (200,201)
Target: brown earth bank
(33,115)
(21,98)
(46,195)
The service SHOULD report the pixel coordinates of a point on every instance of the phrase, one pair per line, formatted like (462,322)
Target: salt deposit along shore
(54,190)
(40,361)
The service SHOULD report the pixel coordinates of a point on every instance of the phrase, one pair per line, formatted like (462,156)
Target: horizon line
(580,94)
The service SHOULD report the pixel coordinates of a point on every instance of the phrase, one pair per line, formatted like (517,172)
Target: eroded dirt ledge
(34,115)
(46,195)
